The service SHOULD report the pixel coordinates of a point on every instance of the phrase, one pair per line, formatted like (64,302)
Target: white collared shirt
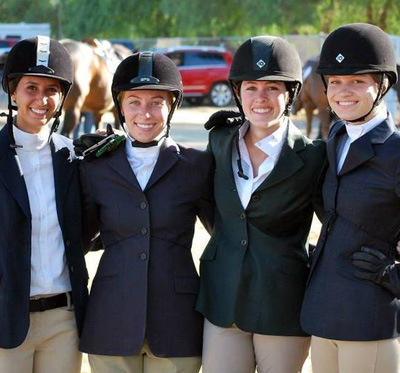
(49,273)
(355,131)
(270,145)
(142,160)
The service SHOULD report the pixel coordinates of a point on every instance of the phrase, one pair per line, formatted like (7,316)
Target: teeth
(38,111)
(144,126)
(262,111)
(346,103)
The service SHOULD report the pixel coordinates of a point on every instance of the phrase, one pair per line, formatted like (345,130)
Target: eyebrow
(36,83)
(138,96)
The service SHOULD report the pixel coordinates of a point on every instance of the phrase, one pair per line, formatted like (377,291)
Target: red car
(7,44)
(204,72)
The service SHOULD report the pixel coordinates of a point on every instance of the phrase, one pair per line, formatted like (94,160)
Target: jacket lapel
(225,154)
(64,168)
(11,174)
(120,164)
(362,149)
(331,146)
(169,155)
(289,162)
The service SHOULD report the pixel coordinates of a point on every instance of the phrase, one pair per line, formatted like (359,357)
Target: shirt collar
(355,131)
(271,144)
(31,141)
(150,152)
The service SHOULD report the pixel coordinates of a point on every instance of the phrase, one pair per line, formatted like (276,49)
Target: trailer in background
(23,30)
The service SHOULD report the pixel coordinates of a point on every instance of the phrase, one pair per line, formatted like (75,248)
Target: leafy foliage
(190,18)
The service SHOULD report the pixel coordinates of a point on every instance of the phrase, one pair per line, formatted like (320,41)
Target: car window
(203,58)
(177,57)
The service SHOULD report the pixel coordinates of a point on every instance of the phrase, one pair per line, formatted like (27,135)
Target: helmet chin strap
(285,113)
(10,121)
(139,144)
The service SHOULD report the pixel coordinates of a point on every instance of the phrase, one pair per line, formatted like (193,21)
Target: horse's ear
(92,41)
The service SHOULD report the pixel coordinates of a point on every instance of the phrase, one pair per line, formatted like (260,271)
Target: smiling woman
(146,113)
(253,271)
(37,99)
(141,315)
(43,276)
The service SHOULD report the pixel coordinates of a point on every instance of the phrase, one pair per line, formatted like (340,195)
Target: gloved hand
(228,118)
(94,145)
(374,266)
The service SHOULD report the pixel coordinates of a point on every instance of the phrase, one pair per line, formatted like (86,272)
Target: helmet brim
(20,75)
(275,77)
(357,71)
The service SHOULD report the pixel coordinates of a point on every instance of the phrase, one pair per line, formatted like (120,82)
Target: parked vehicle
(6,44)
(204,71)
(127,43)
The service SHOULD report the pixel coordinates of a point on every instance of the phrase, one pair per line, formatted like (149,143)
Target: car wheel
(195,100)
(221,94)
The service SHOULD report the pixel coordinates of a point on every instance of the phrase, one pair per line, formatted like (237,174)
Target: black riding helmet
(147,71)
(267,58)
(359,48)
(38,56)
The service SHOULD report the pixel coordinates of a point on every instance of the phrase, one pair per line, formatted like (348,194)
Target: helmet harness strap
(292,94)
(145,76)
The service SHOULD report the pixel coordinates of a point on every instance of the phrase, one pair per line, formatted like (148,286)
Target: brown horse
(312,96)
(91,92)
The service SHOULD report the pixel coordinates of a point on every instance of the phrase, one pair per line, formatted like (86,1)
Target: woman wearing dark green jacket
(254,269)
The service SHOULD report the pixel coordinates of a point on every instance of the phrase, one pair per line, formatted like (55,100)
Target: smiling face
(37,99)
(264,103)
(352,96)
(146,113)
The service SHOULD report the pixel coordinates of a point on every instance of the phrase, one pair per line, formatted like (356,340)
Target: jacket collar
(169,155)
(362,149)
(11,174)
(288,162)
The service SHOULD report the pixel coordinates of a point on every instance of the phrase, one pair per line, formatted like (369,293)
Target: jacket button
(143,231)
(143,256)
(242,216)
(143,205)
(255,198)
(243,242)
(67,243)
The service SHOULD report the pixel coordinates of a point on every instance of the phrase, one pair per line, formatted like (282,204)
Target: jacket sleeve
(206,206)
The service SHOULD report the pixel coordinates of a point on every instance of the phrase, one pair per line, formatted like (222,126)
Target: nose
(346,90)
(262,94)
(145,111)
(42,97)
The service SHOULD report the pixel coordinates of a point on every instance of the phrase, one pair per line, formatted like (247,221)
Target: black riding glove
(374,266)
(93,145)
(228,118)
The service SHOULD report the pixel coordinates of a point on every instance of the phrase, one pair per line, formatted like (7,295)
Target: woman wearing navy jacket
(145,197)
(351,305)
(43,277)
